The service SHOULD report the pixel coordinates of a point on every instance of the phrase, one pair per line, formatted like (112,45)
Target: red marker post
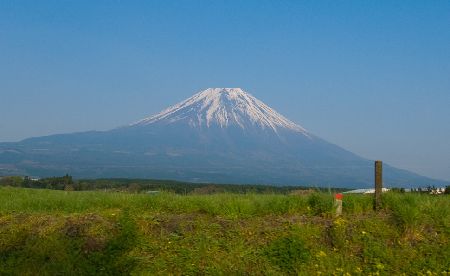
(338,203)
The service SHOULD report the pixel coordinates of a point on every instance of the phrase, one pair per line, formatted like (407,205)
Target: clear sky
(370,76)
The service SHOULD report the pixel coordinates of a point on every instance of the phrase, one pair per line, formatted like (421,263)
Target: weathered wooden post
(378,184)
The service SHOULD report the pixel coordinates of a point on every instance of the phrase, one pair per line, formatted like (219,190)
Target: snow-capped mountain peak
(223,107)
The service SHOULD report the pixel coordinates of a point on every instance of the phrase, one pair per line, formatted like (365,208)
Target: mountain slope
(220,135)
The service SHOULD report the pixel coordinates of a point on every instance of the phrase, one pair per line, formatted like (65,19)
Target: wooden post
(378,184)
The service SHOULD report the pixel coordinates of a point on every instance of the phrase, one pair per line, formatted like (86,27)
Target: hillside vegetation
(141,185)
(45,232)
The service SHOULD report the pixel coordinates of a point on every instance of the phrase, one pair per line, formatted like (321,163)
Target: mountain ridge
(222,135)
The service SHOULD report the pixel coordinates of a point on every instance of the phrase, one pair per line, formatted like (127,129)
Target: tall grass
(45,232)
(411,210)
(49,201)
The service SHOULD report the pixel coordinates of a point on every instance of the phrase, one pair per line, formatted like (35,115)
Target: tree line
(67,183)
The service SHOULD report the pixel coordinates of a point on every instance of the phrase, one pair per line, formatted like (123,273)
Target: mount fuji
(221,135)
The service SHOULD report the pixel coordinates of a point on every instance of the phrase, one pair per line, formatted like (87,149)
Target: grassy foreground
(45,232)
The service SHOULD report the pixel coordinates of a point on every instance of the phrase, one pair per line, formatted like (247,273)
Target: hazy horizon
(371,77)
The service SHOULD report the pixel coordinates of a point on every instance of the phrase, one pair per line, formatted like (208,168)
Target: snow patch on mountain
(223,107)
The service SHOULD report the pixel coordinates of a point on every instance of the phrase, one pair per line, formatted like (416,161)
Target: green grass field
(45,232)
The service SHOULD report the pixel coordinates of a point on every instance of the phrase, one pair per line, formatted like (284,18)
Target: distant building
(437,191)
(365,191)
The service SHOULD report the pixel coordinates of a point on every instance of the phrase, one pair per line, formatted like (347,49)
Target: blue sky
(371,76)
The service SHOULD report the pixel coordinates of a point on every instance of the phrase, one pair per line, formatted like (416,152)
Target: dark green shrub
(320,204)
(287,253)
